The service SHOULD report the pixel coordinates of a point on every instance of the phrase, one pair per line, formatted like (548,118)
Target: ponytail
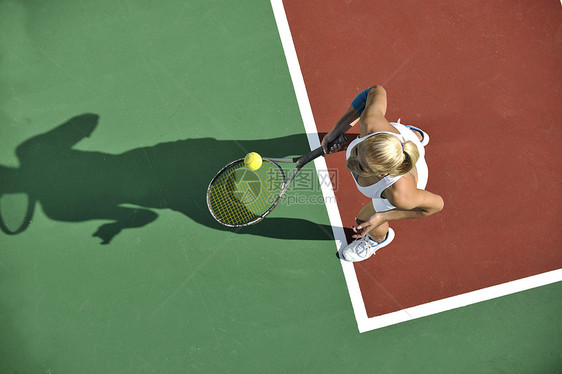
(386,154)
(411,156)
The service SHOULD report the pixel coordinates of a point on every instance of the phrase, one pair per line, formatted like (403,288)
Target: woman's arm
(410,203)
(347,121)
(367,108)
(419,204)
(373,117)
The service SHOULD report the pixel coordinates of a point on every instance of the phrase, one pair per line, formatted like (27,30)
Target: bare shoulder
(403,193)
(373,117)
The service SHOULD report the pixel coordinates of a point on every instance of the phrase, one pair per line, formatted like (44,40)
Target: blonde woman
(387,162)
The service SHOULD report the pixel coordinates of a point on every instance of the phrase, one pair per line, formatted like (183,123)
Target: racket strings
(239,196)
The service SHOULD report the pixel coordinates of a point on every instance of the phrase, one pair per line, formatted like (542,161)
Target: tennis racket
(238,196)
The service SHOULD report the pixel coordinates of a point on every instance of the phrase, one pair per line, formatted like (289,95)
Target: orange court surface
(483,79)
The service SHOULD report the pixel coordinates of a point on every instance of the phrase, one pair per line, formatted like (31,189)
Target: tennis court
(115,115)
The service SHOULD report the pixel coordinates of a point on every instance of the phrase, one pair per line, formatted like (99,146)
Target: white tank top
(375,191)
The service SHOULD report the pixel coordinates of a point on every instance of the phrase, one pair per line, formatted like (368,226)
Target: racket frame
(300,163)
(262,216)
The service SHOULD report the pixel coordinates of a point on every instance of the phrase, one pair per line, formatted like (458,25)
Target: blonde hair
(386,154)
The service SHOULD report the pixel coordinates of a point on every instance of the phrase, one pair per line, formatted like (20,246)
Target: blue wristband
(360,100)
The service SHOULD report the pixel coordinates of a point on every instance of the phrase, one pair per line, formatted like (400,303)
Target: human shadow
(126,189)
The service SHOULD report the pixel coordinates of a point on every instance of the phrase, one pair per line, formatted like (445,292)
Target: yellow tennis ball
(253,161)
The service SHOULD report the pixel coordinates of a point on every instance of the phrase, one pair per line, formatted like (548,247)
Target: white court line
(460,301)
(320,163)
(365,323)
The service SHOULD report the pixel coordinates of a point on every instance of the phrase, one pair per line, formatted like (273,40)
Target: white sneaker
(363,248)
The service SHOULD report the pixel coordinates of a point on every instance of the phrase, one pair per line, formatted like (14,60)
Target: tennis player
(387,162)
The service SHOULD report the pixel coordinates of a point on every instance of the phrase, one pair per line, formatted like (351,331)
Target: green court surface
(114,116)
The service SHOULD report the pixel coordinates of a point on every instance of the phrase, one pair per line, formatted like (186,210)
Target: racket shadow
(127,189)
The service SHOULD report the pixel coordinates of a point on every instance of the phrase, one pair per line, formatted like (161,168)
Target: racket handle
(340,140)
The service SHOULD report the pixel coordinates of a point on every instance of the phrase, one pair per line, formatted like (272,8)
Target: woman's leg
(378,233)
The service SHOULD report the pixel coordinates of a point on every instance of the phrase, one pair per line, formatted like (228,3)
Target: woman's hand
(363,227)
(330,137)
